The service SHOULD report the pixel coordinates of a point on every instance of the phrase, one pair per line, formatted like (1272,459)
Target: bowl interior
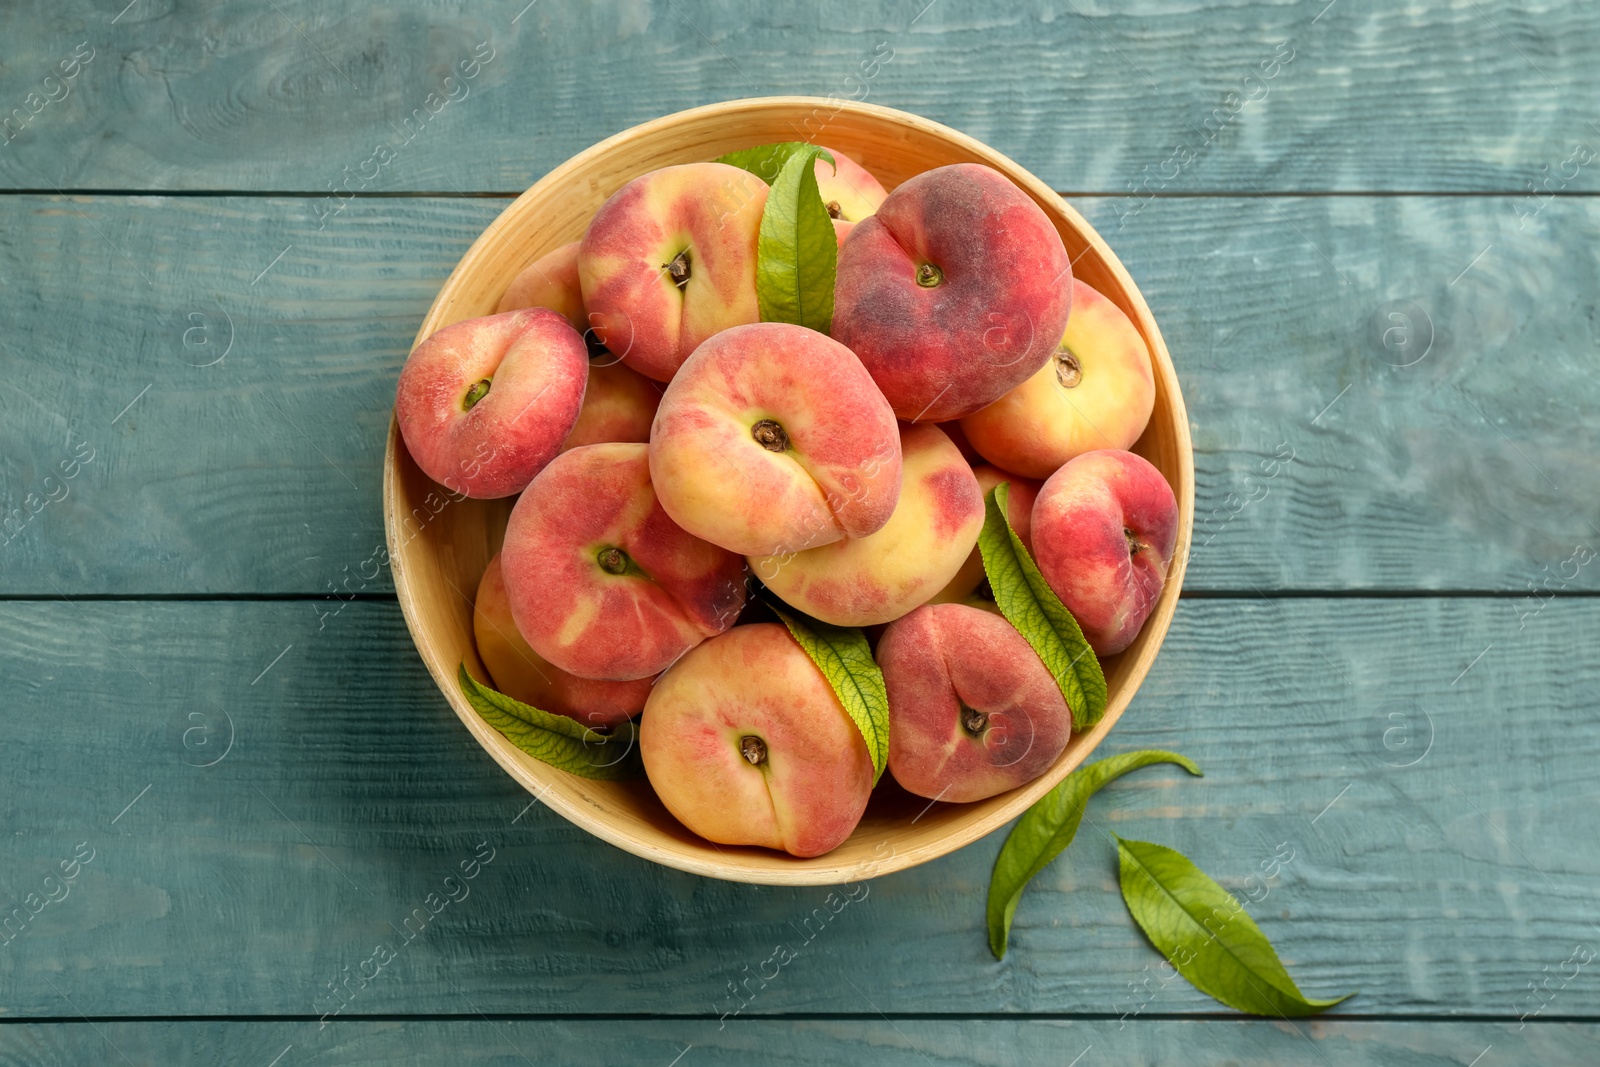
(439,546)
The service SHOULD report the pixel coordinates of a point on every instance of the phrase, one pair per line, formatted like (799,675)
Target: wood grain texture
(1091,97)
(1471,469)
(796,1042)
(1441,823)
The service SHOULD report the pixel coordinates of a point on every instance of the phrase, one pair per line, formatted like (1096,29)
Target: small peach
(485,403)
(620,405)
(973,711)
(745,743)
(1096,391)
(773,438)
(602,583)
(551,281)
(953,293)
(670,260)
(1104,529)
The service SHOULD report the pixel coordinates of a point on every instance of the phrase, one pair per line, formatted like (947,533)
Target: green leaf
(1207,935)
(842,655)
(765,161)
(1025,599)
(555,739)
(1049,827)
(797,254)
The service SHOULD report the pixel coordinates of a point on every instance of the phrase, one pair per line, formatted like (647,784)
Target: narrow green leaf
(797,254)
(765,161)
(556,739)
(1049,827)
(844,658)
(1025,599)
(1207,935)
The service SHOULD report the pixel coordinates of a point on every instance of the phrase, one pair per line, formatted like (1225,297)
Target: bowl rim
(727,866)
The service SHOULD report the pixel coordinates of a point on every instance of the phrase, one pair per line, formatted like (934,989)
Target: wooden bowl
(439,547)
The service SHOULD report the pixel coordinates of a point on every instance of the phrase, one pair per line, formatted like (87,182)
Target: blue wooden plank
(1152,96)
(793,1043)
(233,374)
(1439,803)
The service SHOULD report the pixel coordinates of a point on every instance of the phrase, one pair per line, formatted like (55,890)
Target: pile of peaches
(685,468)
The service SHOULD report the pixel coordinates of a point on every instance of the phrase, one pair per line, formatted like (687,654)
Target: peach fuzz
(516,670)
(1096,391)
(874,579)
(772,438)
(1104,529)
(1019,511)
(602,583)
(745,743)
(619,403)
(973,711)
(670,260)
(953,293)
(485,403)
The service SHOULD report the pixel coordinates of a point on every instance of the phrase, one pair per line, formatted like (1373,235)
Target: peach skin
(973,711)
(516,670)
(1096,391)
(670,260)
(1104,529)
(551,281)
(485,403)
(1019,510)
(619,403)
(746,744)
(848,190)
(772,438)
(862,581)
(602,583)
(953,293)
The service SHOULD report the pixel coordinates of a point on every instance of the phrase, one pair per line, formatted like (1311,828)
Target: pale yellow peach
(861,581)
(773,438)
(1096,392)
(551,281)
(746,744)
(848,190)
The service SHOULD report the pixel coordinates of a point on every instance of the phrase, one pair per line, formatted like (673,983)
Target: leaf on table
(842,655)
(1028,602)
(797,253)
(1207,935)
(1048,827)
(555,739)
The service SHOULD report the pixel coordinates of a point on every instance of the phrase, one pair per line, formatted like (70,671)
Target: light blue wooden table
(1369,233)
